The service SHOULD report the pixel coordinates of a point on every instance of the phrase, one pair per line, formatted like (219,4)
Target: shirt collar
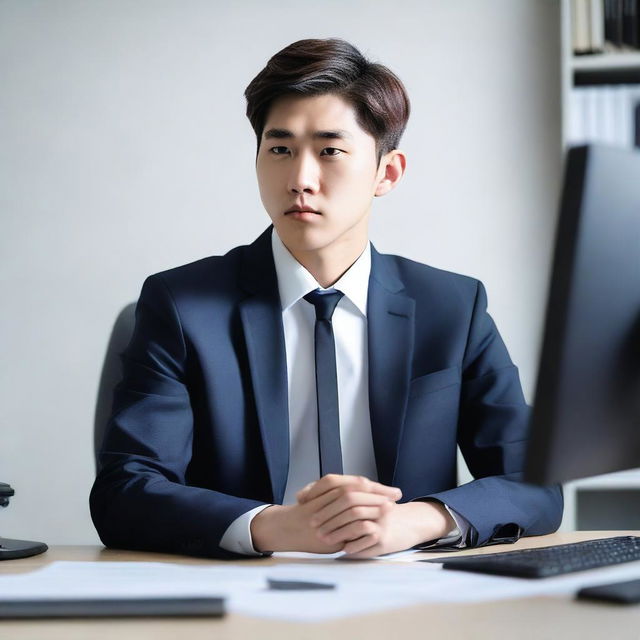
(294,281)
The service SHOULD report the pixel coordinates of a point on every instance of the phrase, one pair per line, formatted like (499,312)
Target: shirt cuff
(457,537)
(237,537)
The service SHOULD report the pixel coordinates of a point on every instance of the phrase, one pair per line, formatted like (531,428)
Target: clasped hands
(351,514)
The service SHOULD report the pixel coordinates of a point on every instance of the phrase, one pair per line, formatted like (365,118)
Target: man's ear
(392,168)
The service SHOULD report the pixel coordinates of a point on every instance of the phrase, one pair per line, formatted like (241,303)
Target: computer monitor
(586,415)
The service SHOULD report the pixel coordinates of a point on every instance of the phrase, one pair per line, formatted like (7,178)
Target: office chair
(111,372)
(111,375)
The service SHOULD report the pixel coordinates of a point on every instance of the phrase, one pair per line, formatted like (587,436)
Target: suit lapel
(390,321)
(264,335)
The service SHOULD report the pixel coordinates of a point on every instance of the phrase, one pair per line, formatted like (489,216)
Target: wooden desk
(530,618)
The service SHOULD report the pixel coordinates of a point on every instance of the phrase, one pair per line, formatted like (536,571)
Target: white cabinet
(610,501)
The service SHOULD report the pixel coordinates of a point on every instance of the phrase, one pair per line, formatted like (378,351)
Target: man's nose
(304,174)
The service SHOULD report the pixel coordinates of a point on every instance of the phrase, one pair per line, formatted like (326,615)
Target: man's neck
(327,266)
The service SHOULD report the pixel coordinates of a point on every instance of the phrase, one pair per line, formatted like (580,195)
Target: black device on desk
(108,608)
(9,548)
(555,560)
(586,415)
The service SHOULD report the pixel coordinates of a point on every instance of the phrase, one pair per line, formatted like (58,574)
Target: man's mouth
(301,209)
(303,216)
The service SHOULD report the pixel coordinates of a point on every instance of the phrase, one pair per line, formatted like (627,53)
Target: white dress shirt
(350,333)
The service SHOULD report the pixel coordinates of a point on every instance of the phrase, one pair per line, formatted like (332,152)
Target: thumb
(301,495)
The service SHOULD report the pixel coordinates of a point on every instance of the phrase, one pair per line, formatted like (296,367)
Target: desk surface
(535,618)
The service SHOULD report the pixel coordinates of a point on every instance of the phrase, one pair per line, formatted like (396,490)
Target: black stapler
(9,548)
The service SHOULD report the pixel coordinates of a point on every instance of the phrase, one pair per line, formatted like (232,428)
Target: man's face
(301,164)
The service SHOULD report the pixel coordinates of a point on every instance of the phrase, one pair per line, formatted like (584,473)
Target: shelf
(606,61)
(606,68)
(619,480)
(586,492)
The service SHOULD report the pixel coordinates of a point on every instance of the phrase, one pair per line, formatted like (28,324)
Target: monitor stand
(10,549)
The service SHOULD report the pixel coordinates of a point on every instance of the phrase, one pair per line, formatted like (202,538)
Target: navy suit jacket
(199,431)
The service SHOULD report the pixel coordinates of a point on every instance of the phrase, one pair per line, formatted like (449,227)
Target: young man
(305,392)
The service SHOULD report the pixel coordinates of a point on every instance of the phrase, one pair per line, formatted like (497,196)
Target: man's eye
(332,151)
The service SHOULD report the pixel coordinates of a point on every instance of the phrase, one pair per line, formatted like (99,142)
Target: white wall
(124,150)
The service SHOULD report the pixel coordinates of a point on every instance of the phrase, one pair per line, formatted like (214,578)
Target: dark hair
(315,67)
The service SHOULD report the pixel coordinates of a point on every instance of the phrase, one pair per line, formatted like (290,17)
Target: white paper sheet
(407,555)
(361,587)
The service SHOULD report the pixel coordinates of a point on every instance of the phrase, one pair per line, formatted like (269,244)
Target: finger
(361,483)
(302,493)
(370,545)
(353,531)
(317,504)
(343,502)
(350,515)
(330,496)
(361,549)
(328,483)
(315,489)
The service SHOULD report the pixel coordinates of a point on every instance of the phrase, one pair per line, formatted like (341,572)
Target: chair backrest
(112,372)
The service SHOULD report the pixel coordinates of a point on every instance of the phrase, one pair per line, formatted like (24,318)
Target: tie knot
(325,303)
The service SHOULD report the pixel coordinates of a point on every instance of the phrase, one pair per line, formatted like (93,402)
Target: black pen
(297,585)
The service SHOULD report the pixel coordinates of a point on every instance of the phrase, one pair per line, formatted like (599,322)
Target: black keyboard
(551,561)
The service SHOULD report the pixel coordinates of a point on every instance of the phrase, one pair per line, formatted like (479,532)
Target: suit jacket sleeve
(492,435)
(140,499)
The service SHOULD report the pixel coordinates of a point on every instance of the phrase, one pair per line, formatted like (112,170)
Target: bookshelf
(610,501)
(602,62)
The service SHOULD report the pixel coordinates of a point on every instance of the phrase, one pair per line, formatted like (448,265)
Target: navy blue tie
(326,381)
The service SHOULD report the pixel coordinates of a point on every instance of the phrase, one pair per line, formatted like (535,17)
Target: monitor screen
(586,415)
